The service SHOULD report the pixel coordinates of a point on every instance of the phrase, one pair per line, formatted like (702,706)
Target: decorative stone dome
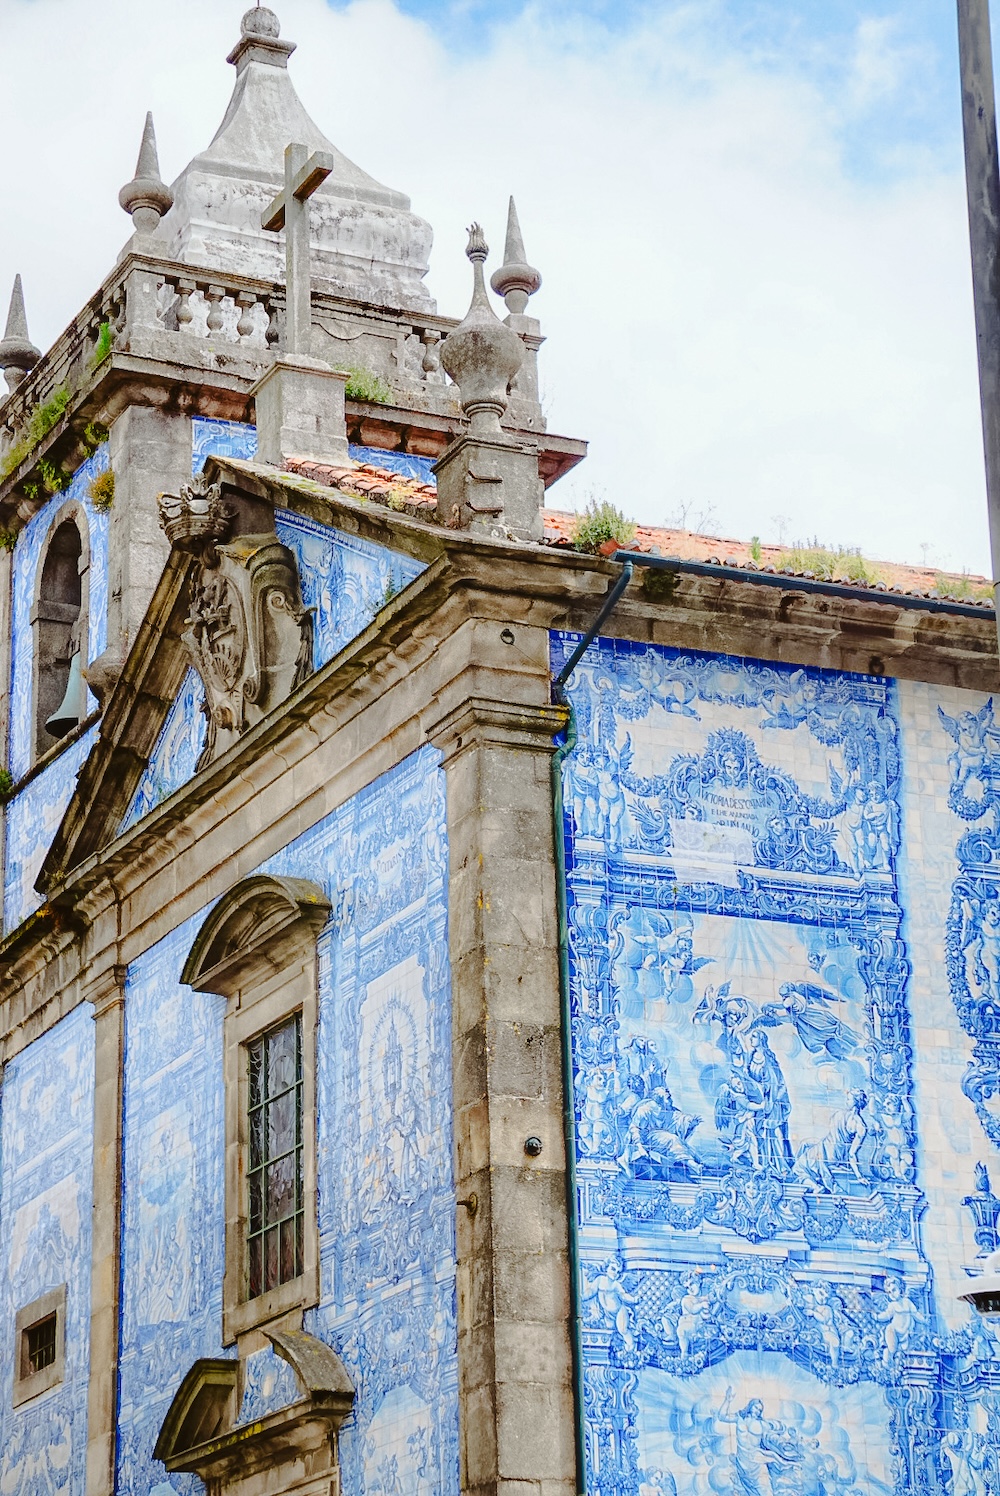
(365,242)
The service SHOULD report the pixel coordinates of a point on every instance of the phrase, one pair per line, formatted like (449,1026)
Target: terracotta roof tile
(415,497)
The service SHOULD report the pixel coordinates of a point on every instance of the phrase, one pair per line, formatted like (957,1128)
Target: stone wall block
(478,1438)
(150,453)
(530,1354)
(527,988)
(472,1140)
(535,1423)
(531,1286)
(513,1120)
(517,1059)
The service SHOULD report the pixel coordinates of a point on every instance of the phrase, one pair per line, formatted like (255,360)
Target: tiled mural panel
(173,1210)
(386,1200)
(175,753)
(344,579)
(32,819)
(46,1192)
(26,556)
(768,1302)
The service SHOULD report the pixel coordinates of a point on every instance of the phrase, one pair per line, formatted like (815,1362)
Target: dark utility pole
(982,179)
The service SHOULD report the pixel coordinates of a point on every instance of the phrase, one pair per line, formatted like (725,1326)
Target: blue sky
(748,214)
(814,40)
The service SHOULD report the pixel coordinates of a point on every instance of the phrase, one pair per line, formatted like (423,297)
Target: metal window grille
(40,1345)
(275,1217)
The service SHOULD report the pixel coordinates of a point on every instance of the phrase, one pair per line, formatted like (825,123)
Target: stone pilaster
(514,1329)
(150,454)
(300,411)
(107,994)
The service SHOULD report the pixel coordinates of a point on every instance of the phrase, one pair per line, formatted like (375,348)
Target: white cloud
(732,319)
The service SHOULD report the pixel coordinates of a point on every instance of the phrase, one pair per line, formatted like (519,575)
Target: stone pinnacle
(516,280)
(146,197)
(17,353)
(148,164)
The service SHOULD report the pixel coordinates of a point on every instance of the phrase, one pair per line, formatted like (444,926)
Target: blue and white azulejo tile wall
(781,1170)
(175,752)
(46,1192)
(384,1165)
(32,818)
(386,1197)
(214,438)
(173,1201)
(344,580)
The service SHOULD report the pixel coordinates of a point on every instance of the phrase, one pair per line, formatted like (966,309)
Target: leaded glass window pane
(274,1219)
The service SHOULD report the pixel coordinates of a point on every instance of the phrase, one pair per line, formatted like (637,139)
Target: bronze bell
(69,713)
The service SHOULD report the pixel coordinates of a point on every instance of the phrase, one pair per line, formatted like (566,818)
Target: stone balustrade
(158,310)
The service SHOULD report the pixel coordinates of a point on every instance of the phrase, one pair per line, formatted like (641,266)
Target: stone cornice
(480,722)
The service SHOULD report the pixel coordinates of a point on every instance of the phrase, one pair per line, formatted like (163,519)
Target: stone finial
(260,41)
(17,352)
(146,197)
(260,22)
(198,515)
(516,280)
(481,354)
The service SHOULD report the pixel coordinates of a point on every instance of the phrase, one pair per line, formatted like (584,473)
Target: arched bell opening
(59,626)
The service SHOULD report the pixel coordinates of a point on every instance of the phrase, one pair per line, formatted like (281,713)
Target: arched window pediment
(255,930)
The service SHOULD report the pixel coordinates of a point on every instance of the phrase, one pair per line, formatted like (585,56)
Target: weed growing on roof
(41,421)
(102,490)
(963,588)
(830,563)
(698,517)
(601,521)
(364,384)
(53,477)
(103,346)
(755,549)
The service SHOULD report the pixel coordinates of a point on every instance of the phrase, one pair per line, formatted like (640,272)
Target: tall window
(257,949)
(274,1174)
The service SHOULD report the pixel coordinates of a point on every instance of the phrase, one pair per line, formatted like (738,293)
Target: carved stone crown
(197,514)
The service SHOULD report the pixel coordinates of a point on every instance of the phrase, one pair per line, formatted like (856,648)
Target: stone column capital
(480,722)
(105,989)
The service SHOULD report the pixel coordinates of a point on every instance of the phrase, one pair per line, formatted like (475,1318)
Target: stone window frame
(258,950)
(28,1385)
(72,512)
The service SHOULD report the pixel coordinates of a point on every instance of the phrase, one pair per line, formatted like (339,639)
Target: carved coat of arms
(246,633)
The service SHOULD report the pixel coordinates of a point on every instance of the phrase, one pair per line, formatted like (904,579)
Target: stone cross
(290,211)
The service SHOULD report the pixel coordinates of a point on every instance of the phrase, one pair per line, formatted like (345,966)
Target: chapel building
(477,1015)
